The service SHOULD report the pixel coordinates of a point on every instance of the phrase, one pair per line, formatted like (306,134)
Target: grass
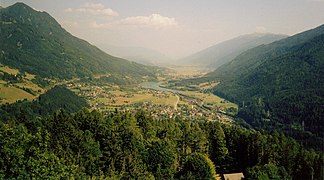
(207,85)
(123,98)
(30,85)
(187,71)
(10,94)
(30,76)
(118,93)
(9,70)
(210,98)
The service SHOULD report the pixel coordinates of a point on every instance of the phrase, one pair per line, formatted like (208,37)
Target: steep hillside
(282,82)
(224,52)
(35,42)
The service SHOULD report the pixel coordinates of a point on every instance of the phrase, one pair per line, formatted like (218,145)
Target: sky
(178,28)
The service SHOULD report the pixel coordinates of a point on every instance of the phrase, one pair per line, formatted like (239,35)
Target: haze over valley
(161,90)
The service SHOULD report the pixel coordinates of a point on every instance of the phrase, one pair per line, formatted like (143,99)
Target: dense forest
(135,146)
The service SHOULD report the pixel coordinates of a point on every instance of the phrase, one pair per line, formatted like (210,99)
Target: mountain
(282,81)
(35,42)
(137,54)
(221,53)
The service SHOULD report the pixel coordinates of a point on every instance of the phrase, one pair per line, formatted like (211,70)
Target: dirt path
(176,103)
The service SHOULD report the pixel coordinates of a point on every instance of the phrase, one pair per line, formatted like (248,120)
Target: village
(159,104)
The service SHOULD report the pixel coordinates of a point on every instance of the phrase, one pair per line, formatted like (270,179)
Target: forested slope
(35,42)
(282,82)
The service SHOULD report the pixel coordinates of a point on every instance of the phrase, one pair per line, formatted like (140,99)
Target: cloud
(156,20)
(94,9)
(151,21)
(100,20)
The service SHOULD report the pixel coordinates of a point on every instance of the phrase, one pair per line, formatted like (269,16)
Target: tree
(161,158)
(14,140)
(217,143)
(198,166)
(267,172)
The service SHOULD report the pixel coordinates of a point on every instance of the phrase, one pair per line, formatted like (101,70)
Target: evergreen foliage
(88,144)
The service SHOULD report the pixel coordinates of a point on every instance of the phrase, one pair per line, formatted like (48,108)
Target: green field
(210,99)
(9,70)
(122,98)
(10,94)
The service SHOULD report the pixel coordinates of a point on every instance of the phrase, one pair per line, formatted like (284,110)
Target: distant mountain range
(221,53)
(283,81)
(137,54)
(35,42)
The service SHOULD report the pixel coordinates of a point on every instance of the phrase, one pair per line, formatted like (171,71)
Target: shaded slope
(285,78)
(224,52)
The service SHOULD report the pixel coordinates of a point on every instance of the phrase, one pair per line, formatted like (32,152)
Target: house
(233,176)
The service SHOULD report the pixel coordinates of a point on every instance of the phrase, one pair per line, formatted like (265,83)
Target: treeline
(11,78)
(135,146)
(46,104)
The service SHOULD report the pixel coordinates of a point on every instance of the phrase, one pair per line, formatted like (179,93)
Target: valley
(248,106)
(155,98)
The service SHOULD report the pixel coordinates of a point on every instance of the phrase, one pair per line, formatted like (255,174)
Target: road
(176,103)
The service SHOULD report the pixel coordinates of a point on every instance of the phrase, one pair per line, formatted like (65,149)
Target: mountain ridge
(221,53)
(48,50)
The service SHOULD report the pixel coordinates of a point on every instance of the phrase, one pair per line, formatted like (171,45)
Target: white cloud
(151,21)
(101,21)
(94,9)
(155,20)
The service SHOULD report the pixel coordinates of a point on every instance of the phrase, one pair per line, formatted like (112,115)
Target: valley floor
(157,99)
(189,103)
